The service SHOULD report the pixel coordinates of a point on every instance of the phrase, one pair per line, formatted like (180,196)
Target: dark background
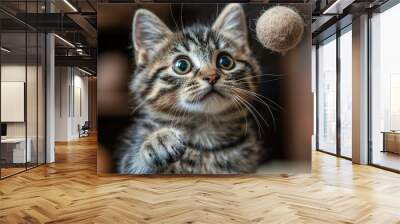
(115,50)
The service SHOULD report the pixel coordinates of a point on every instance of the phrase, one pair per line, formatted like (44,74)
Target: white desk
(18,150)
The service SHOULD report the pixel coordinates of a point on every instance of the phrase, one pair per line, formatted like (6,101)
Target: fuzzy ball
(280,29)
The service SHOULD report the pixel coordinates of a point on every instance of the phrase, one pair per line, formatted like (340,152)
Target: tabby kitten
(193,88)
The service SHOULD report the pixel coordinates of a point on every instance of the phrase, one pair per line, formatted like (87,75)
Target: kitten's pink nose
(212,78)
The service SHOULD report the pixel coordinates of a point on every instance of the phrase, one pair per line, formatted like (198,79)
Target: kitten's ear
(148,32)
(232,23)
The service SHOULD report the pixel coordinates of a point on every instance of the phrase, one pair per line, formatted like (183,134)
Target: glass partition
(385,89)
(41,111)
(326,133)
(334,94)
(22,77)
(14,151)
(346,92)
(32,96)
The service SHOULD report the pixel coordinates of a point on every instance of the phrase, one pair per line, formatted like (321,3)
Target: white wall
(80,102)
(62,81)
(71,94)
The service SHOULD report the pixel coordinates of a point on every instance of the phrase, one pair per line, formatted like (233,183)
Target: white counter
(18,145)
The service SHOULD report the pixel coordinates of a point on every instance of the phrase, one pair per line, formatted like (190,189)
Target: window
(334,94)
(326,103)
(385,89)
(346,92)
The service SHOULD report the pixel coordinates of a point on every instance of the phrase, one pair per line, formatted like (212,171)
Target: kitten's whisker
(139,106)
(193,92)
(244,103)
(261,81)
(261,75)
(240,109)
(252,113)
(173,17)
(269,109)
(259,100)
(181,17)
(262,102)
(255,110)
(259,95)
(273,74)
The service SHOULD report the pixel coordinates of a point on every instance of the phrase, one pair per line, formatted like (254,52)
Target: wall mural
(204,88)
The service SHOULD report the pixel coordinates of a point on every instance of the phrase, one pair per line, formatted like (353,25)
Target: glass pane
(31,100)
(346,94)
(385,84)
(41,98)
(327,96)
(13,90)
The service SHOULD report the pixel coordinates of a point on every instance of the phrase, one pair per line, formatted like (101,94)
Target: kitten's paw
(163,147)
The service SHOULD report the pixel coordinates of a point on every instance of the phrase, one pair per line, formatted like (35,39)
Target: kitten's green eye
(225,61)
(182,66)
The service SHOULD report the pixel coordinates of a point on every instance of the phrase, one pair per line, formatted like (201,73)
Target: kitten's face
(200,69)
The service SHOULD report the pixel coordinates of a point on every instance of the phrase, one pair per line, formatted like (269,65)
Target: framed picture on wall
(189,89)
(13,101)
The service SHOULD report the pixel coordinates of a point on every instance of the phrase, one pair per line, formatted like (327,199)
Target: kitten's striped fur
(182,127)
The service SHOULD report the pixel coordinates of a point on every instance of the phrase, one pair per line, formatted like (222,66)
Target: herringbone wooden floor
(70,191)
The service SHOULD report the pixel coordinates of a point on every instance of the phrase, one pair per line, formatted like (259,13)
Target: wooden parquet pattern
(70,191)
